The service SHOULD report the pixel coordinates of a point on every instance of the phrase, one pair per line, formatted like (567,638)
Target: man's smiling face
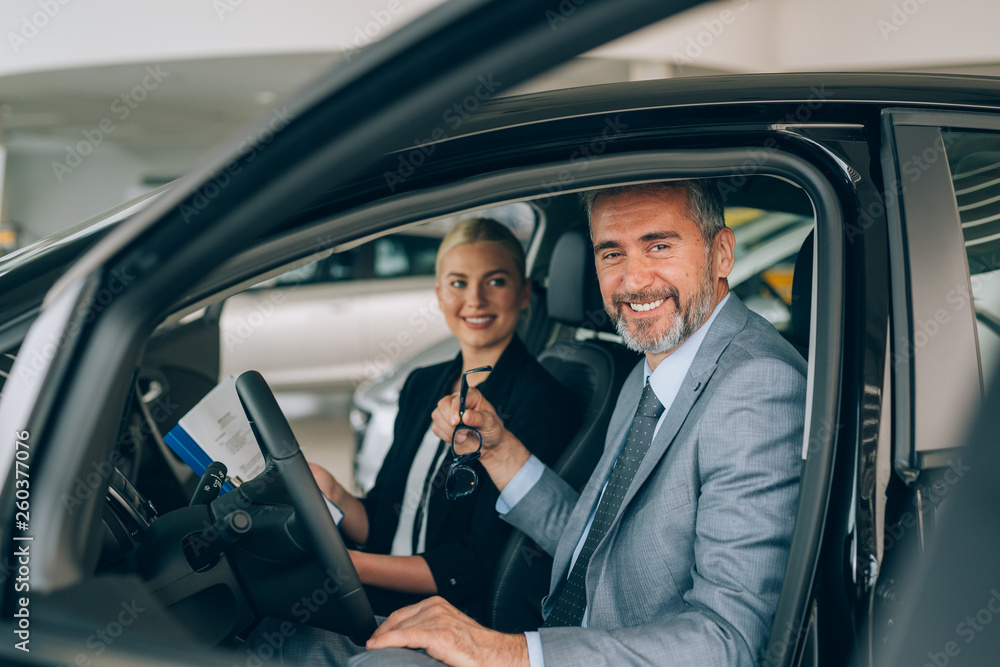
(659,279)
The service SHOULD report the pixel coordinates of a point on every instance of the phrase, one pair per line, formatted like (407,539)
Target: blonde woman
(416,539)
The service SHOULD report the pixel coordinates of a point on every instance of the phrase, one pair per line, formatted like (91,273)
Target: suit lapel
(730,321)
(676,416)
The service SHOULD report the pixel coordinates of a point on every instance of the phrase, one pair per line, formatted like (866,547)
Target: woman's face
(481,294)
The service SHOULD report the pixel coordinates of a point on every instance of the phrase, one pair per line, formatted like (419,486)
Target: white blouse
(429,457)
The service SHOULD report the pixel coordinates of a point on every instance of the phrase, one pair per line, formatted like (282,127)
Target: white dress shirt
(426,463)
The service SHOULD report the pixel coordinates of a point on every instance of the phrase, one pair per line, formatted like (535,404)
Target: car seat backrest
(801,306)
(593,372)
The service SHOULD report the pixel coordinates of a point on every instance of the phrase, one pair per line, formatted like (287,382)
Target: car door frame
(937,379)
(86,341)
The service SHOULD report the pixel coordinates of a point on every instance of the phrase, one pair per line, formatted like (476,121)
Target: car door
(943,172)
(82,352)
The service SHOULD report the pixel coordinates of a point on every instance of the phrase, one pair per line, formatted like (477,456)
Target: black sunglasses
(462,478)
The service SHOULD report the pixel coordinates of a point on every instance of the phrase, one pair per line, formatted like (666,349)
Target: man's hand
(479,414)
(502,454)
(449,635)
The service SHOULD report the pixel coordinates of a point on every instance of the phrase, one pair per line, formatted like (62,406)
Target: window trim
(924,226)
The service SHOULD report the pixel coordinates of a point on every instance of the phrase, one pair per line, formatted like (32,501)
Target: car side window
(974,161)
(303,275)
(767,243)
(403,255)
(408,254)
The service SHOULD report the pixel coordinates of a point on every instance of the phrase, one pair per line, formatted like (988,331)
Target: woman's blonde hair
(486,230)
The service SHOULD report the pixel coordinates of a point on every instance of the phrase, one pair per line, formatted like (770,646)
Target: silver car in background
(292,328)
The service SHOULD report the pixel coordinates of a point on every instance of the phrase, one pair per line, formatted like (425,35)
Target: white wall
(763,35)
(81,33)
(37,198)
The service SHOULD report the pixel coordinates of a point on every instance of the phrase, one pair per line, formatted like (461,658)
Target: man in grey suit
(675,550)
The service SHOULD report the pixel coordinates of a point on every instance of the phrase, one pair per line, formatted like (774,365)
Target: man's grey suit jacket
(690,572)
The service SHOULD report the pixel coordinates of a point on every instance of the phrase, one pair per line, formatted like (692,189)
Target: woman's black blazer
(464,536)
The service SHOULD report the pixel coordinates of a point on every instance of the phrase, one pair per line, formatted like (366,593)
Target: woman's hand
(355,523)
(408,574)
(502,454)
(328,484)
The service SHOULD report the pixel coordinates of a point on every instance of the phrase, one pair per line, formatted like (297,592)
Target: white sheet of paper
(220,427)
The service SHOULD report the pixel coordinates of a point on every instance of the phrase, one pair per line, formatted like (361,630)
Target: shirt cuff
(335,511)
(519,485)
(535,657)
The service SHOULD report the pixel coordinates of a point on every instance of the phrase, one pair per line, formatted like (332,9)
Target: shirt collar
(666,380)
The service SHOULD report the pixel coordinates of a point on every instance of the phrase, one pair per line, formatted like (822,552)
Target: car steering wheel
(276,439)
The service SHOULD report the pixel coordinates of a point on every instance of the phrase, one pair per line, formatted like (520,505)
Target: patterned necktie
(571,599)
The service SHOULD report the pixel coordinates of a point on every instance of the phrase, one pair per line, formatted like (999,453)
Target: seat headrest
(574,295)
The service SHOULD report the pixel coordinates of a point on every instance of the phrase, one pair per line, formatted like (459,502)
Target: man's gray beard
(686,321)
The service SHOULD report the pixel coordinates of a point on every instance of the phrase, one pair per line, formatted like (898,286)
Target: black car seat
(593,371)
(801,307)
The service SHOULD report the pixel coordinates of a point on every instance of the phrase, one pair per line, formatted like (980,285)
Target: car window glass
(391,259)
(974,160)
(405,254)
(303,275)
(341,266)
(767,243)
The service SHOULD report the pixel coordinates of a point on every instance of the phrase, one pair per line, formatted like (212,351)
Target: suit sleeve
(545,509)
(464,568)
(749,442)
(543,513)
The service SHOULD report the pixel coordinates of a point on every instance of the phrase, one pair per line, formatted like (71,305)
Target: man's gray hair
(704,202)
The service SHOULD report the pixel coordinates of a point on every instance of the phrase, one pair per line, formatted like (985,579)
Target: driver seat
(593,371)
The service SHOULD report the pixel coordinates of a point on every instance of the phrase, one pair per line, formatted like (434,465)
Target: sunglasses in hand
(462,478)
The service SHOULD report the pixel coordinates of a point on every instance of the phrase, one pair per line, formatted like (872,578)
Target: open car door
(76,372)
